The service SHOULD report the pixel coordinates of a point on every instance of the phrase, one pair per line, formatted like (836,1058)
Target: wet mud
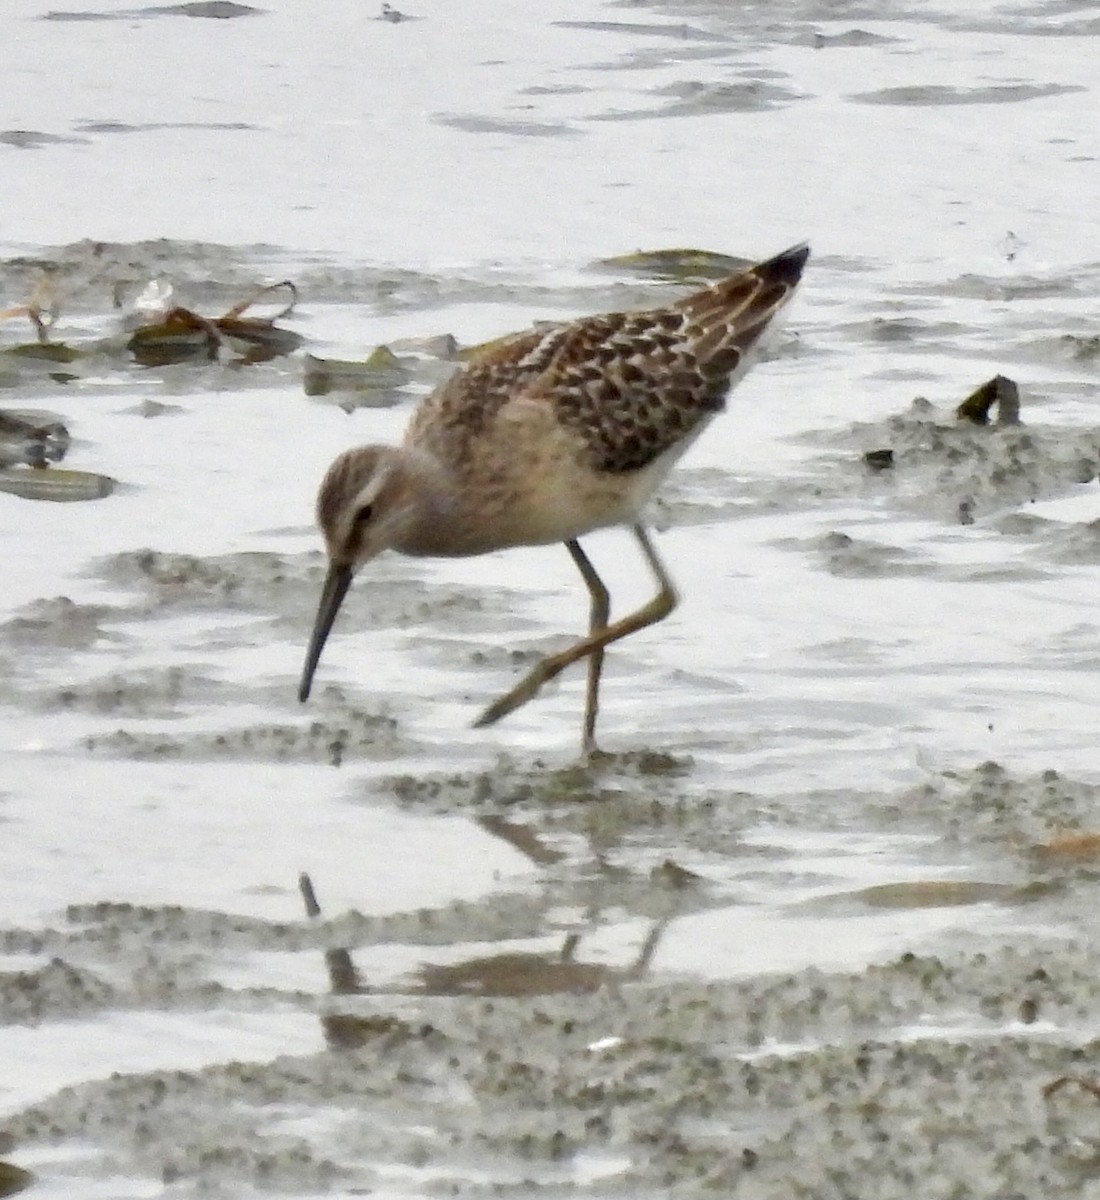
(586,1077)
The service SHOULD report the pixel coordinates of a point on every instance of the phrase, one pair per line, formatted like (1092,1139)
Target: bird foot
(527,688)
(516,698)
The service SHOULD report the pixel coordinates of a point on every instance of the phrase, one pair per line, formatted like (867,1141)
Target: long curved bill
(335,588)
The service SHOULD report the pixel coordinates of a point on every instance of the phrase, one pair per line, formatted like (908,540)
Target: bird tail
(728,318)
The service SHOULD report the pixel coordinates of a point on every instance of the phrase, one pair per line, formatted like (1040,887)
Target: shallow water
(831,891)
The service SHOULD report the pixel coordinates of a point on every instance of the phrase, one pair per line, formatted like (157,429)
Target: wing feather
(629,385)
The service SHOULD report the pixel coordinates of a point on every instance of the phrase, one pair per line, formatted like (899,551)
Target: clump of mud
(287,588)
(923,460)
(863,558)
(579,793)
(60,624)
(1057,541)
(961,470)
(989,803)
(250,579)
(149,692)
(53,992)
(351,734)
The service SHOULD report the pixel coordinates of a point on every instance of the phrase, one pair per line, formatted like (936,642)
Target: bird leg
(597,622)
(550,667)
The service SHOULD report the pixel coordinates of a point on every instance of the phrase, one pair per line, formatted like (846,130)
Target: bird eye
(364,514)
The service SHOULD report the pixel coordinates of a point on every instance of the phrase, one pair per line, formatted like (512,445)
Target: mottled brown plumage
(544,437)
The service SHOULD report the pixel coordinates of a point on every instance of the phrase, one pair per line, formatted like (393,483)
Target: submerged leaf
(53,352)
(13,1179)
(58,485)
(676,264)
(381,372)
(1070,847)
(935,893)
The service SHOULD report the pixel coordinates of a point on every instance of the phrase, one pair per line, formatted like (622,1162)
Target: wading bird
(544,437)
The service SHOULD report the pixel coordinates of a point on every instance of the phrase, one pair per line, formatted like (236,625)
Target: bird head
(366,502)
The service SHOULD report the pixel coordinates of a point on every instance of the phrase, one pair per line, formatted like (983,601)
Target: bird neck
(429,524)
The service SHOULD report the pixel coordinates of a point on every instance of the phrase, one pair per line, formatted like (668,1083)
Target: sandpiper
(544,437)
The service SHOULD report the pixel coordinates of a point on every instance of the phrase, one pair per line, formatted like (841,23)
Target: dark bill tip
(786,267)
(335,588)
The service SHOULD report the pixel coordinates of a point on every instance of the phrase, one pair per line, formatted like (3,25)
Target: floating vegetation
(49,352)
(181,335)
(1069,848)
(353,733)
(34,483)
(13,1179)
(482,350)
(936,893)
(378,376)
(31,362)
(160,333)
(681,265)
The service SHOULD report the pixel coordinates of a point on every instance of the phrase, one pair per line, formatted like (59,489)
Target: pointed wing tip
(787,266)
